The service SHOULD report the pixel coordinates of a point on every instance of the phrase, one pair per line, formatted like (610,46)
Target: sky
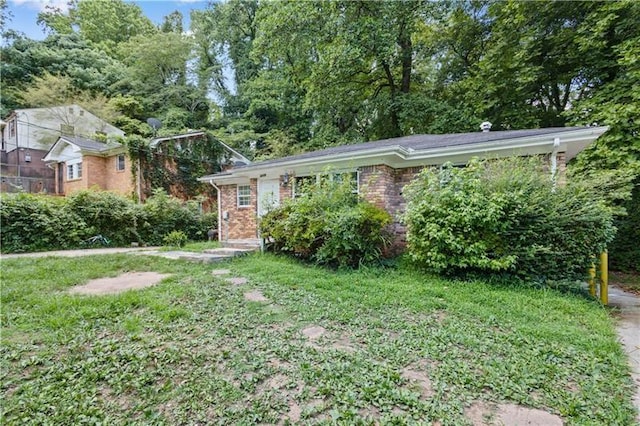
(25,12)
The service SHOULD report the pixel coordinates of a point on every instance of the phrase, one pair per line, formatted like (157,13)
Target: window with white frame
(120,162)
(74,170)
(244,196)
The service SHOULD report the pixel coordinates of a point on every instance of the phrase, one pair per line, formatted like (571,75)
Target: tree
(104,23)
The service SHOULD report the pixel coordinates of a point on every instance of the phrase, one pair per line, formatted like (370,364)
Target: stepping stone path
(313,332)
(237,280)
(124,282)
(217,272)
(255,296)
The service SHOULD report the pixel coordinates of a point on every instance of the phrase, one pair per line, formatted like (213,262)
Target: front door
(268,195)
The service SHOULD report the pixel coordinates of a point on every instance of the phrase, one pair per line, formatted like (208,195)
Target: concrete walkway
(82,252)
(208,256)
(628,329)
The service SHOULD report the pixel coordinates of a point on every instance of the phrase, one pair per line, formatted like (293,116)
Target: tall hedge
(32,222)
(507,215)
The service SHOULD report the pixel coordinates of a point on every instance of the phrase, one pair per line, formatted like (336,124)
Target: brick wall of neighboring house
(100,172)
(94,171)
(120,181)
(241,222)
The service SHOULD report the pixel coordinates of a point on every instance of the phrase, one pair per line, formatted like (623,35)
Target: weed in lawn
(192,349)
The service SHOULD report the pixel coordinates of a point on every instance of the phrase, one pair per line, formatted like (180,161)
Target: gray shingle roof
(420,142)
(90,144)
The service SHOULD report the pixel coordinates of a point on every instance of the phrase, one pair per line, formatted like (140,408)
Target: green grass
(193,350)
(195,246)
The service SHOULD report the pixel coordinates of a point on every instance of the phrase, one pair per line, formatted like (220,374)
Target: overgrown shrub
(39,222)
(329,225)
(30,222)
(624,252)
(175,239)
(505,216)
(106,213)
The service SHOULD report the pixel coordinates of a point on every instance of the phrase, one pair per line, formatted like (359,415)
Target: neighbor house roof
(416,150)
(80,146)
(235,155)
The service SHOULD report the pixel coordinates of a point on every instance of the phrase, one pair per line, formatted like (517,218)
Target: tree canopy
(276,78)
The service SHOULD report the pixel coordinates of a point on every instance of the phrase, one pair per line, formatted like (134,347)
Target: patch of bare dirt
(124,282)
(314,332)
(294,412)
(217,272)
(255,296)
(419,377)
(344,343)
(237,280)
(486,414)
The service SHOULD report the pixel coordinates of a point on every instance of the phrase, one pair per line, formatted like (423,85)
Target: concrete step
(248,244)
(228,251)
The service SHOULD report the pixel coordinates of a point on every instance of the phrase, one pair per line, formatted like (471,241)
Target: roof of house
(90,145)
(82,146)
(235,154)
(415,149)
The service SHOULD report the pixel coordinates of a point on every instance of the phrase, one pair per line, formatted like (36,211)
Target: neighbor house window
(74,170)
(12,128)
(244,195)
(120,162)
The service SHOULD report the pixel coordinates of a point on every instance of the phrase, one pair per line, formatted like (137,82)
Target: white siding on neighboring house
(40,128)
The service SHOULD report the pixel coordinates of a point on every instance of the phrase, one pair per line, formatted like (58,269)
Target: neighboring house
(82,163)
(27,136)
(381,169)
(176,154)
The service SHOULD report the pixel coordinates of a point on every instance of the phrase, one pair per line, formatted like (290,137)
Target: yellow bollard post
(604,278)
(592,280)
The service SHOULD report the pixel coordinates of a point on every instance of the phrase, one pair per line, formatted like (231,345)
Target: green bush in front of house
(505,216)
(31,222)
(39,222)
(329,225)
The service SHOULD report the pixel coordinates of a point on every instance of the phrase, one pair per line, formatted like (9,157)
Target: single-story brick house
(381,168)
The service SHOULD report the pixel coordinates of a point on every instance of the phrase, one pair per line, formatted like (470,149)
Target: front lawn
(296,343)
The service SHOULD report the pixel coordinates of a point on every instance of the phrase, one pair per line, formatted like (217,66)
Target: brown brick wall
(120,181)
(242,221)
(94,171)
(384,186)
(101,172)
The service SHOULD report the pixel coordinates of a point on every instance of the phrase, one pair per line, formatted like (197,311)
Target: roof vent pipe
(485,126)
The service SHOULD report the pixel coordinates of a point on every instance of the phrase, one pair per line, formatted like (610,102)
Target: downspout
(554,160)
(219,210)
(139,182)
